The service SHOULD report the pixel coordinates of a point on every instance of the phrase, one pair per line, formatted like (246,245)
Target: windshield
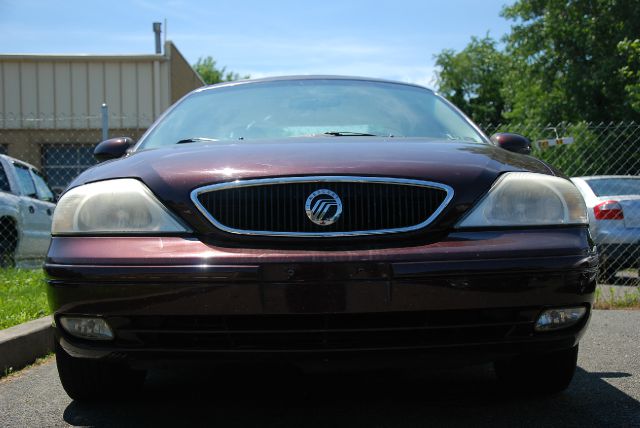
(615,186)
(295,108)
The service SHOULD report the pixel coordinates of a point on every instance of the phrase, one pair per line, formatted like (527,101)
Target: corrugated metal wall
(50,105)
(65,92)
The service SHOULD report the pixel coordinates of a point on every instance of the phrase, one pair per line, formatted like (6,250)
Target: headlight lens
(112,207)
(528,199)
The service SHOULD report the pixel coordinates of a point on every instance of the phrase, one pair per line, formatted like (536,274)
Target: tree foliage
(630,51)
(563,60)
(472,79)
(206,68)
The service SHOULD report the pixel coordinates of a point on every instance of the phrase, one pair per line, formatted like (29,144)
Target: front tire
(91,380)
(542,374)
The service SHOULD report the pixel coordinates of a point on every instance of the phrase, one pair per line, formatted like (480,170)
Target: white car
(613,205)
(26,209)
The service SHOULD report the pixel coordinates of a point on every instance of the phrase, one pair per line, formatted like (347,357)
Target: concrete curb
(22,344)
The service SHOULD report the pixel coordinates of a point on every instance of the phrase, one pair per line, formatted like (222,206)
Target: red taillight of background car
(608,210)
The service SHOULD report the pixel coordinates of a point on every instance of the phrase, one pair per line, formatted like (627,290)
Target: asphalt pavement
(605,392)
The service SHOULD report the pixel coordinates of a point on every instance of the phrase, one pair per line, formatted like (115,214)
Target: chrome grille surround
(321,179)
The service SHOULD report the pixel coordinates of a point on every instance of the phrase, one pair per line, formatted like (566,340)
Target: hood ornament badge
(323,207)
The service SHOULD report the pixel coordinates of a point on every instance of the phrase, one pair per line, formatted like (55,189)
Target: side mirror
(512,142)
(112,148)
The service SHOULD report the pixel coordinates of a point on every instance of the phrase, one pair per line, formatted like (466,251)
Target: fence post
(105,121)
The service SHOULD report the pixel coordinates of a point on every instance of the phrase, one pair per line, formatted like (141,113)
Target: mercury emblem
(323,207)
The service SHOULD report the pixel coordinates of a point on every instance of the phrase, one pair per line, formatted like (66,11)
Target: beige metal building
(50,105)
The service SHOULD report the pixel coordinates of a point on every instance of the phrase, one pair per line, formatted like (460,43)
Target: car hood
(173,172)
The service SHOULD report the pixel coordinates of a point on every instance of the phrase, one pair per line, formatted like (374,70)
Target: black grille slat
(280,206)
(327,331)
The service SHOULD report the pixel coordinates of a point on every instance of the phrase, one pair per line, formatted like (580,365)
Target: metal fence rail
(60,151)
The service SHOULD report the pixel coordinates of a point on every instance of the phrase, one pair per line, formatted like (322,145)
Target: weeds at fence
(608,297)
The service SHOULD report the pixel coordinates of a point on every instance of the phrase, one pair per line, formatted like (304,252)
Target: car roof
(11,159)
(308,77)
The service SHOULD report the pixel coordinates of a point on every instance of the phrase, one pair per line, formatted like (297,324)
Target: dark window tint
(615,186)
(44,193)
(24,180)
(4,181)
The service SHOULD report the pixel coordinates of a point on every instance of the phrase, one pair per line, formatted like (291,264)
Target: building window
(61,163)
(3,149)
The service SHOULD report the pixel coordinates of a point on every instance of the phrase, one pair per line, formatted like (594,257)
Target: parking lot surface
(605,392)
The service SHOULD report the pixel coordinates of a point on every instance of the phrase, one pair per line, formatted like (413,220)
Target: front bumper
(473,297)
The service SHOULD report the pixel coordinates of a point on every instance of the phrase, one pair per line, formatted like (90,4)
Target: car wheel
(540,373)
(91,380)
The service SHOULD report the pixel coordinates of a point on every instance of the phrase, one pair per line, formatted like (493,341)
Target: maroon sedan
(318,220)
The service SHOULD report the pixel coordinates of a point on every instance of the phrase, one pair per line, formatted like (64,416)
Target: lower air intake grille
(323,332)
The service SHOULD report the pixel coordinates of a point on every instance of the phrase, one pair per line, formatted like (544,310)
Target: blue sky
(388,39)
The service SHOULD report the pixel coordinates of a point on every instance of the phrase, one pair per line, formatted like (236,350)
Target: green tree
(206,68)
(564,63)
(630,51)
(472,79)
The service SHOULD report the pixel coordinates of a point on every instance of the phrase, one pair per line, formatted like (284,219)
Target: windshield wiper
(348,134)
(196,139)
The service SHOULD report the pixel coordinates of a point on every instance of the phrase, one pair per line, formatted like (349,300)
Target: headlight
(112,207)
(528,199)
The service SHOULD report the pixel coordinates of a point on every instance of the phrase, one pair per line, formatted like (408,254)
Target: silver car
(26,209)
(613,203)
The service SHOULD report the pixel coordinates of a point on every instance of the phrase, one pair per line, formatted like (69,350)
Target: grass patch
(22,296)
(608,297)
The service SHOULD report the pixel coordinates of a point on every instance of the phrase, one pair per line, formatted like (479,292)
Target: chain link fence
(604,158)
